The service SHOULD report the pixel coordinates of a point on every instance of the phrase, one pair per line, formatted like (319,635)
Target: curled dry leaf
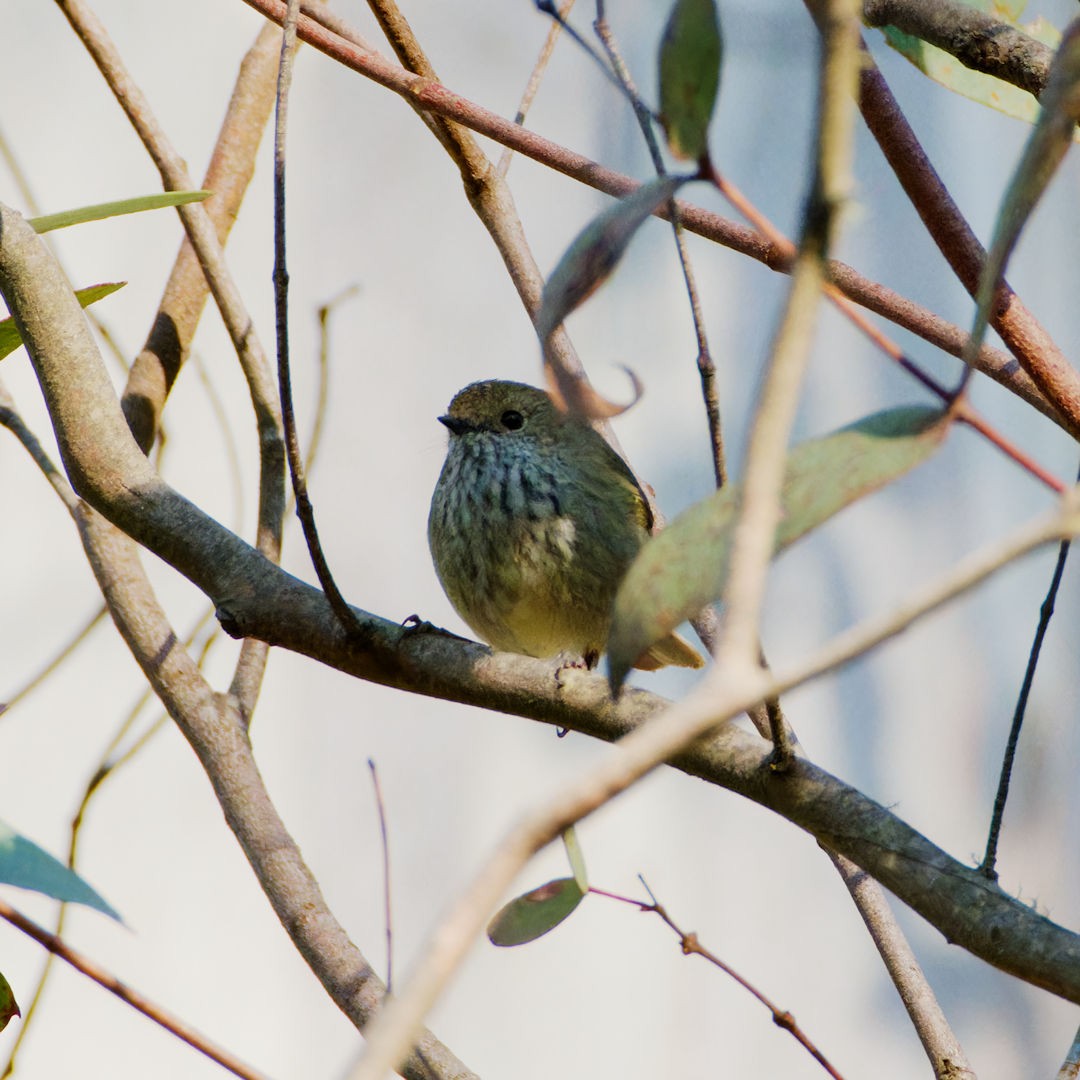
(574,393)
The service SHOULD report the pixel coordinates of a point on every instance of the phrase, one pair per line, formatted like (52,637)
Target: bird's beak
(455,424)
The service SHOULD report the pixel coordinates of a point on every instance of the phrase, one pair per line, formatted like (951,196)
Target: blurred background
(374,202)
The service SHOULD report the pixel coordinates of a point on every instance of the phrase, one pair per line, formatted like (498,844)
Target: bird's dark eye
(512,419)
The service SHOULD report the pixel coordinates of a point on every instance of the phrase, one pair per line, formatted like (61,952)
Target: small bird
(533,523)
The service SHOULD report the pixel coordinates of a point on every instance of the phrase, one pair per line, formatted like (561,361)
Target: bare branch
(976,39)
(759,513)
(947,1056)
(429,96)
(205,236)
(1039,356)
(110,982)
(803,790)
(52,324)
(256,598)
(232,165)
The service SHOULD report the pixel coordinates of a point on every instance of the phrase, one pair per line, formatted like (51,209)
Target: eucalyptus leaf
(9,1007)
(532,915)
(24,864)
(10,339)
(596,251)
(691,53)
(684,568)
(100,211)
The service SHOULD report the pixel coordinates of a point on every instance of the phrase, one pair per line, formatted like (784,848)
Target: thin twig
(11,420)
(64,653)
(759,511)
(137,1001)
(547,7)
(691,945)
(388,908)
(259,598)
(961,409)
(202,231)
(947,1057)
(1029,342)
(706,366)
(989,861)
(322,389)
(431,99)
(304,510)
(722,693)
(533,85)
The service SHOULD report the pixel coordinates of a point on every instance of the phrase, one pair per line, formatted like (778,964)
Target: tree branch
(205,235)
(977,40)
(431,96)
(232,164)
(41,301)
(1028,341)
(254,597)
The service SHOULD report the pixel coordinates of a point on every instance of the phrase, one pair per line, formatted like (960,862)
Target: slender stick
(723,692)
(947,1057)
(304,510)
(1036,351)
(388,907)
(759,513)
(202,232)
(691,945)
(705,364)
(533,85)
(64,653)
(137,1001)
(989,862)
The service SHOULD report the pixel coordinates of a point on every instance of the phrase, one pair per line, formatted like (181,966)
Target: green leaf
(24,864)
(9,1007)
(9,332)
(684,567)
(531,916)
(596,251)
(576,857)
(48,222)
(947,71)
(1042,155)
(690,56)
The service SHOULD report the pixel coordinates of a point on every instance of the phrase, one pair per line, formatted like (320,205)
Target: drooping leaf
(9,1007)
(48,222)
(690,56)
(684,568)
(9,333)
(532,915)
(576,857)
(596,251)
(24,864)
(1042,155)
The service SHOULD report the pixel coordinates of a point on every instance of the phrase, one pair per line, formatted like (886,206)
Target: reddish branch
(427,94)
